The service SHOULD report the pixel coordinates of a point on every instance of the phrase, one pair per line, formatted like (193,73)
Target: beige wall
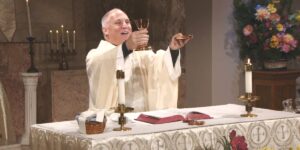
(212,60)
(198,55)
(226,73)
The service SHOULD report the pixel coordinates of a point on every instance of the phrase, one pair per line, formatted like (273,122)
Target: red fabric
(194,115)
(156,120)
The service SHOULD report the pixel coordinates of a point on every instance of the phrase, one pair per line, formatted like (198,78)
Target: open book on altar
(160,117)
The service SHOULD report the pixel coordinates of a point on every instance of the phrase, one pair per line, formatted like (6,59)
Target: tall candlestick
(121,86)
(62,34)
(68,39)
(28,17)
(51,39)
(74,35)
(57,40)
(248,76)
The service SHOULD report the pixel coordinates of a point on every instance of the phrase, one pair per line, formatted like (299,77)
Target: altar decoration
(267,30)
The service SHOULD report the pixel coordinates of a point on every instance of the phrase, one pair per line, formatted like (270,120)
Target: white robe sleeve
(174,71)
(163,81)
(101,71)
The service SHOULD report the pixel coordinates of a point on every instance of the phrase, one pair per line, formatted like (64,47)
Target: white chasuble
(151,79)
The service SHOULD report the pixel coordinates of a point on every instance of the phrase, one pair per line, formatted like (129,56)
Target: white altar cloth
(273,129)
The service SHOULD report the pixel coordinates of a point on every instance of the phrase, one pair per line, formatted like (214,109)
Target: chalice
(142,24)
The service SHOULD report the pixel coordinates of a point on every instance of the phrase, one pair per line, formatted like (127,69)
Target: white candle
(28,17)
(57,40)
(248,78)
(74,35)
(51,39)
(68,39)
(62,34)
(121,91)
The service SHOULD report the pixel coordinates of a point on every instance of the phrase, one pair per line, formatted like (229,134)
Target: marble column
(30,82)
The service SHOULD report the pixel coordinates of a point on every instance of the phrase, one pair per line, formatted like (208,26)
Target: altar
(271,129)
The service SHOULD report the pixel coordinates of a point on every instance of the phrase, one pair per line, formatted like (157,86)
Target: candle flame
(56,31)
(62,26)
(248,61)
(67,32)
(50,31)
(26,1)
(74,31)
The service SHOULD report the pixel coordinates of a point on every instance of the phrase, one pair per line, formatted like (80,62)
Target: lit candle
(68,39)
(51,39)
(57,40)
(62,34)
(28,17)
(74,35)
(121,86)
(248,76)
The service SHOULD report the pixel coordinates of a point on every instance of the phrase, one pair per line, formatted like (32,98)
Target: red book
(159,120)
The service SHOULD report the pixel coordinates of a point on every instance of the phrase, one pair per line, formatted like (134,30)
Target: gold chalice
(142,24)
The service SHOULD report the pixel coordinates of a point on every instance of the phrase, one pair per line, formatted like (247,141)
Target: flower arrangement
(266,29)
(234,143)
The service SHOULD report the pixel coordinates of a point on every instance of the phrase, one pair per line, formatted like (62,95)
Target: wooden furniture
(274,86)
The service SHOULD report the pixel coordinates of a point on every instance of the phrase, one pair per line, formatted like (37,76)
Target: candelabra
(63,49)
(32,68)
(122,109)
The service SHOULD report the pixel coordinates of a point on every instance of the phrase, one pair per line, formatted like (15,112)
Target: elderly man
(151,78)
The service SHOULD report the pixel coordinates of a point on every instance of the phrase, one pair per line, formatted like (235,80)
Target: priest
(151,78)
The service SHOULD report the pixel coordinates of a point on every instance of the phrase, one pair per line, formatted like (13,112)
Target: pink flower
(248,29)
(238,143)
(232,134)
(286,48)
(274,17)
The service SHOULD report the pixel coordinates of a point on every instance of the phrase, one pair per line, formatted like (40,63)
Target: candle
(68,39)
(28,17)
(57,40)
(62,34)
(51,39)
(248,76)
(121,87)
(74,35)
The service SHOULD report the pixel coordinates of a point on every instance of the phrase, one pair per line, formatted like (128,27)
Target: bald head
(116,26)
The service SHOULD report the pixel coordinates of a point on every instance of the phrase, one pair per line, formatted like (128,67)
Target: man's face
(118,28)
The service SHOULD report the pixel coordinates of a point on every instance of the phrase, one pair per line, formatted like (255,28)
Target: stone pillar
(30,82)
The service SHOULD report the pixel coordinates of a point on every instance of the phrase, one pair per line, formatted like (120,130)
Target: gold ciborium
(122,109)
(142,24)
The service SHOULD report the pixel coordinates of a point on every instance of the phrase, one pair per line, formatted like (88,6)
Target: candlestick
(74,35)
(28,17)
(51,39)
(121,86)
(248,76)
(57,40)
(62,34)
(68,40)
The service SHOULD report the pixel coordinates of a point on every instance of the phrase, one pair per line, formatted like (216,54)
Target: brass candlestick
(122,109)
(248,99)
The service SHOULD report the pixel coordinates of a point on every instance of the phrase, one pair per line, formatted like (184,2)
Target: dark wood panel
(274,86)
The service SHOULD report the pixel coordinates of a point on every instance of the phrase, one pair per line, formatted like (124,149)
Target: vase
(276,64)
